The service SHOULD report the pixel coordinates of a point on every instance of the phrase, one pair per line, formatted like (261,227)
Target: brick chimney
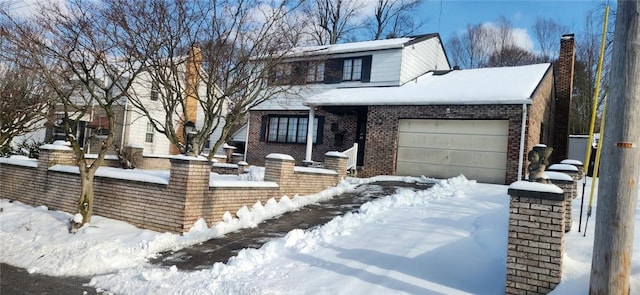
(192,79)
(564,91)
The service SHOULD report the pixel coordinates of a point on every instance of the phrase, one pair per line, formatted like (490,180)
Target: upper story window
(282,73)
(148,136)
(315,72)
(333,70)
(357,68)
(352,69)
(155,91)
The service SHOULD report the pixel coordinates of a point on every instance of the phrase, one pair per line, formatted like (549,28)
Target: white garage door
(448,148)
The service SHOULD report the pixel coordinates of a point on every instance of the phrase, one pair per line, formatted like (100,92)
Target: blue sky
(448,16)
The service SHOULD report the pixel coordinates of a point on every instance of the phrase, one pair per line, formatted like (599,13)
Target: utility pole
(618,189)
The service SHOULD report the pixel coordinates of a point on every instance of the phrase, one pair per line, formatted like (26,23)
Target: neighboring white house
(139,132)
(133,127)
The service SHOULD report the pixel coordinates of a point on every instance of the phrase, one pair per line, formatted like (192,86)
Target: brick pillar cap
(572,162)
(563,167)
(189,158)
(335,154)
(283,157)
(553,175)
(59,145)
(536,187)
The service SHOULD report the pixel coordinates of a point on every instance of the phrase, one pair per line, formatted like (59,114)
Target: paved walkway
(15,280)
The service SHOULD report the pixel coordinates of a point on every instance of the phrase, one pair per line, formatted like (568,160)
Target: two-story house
(133,127)
(409,112)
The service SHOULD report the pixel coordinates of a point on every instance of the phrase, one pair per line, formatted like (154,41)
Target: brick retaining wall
(174,206)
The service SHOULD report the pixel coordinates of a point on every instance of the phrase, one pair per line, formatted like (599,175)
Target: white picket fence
(352,154)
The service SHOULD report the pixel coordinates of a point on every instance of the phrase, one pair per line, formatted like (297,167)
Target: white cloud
(522,39)
(520,36)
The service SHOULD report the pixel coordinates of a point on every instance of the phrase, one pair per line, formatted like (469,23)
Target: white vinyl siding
(421,57)
(448,148)
(385,67)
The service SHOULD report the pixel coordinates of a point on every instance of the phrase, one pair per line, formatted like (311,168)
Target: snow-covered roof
(504,85)
(353,47)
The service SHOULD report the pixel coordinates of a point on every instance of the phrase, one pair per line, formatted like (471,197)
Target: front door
(361,134)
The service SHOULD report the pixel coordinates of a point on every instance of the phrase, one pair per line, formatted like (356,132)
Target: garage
(448,148)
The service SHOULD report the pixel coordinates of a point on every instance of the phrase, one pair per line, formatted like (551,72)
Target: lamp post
(189,131)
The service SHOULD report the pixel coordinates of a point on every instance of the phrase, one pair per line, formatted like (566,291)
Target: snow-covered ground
(450,239)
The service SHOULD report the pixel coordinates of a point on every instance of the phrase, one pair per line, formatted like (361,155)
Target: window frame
(154,94)
(316,72)
(283,130)
(350,69)
(149,133)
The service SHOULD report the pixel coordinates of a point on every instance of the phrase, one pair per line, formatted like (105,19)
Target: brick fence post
(58,153)
(336,161)
(536,238)
(577,164)
(189,182)
(278,168)
(570,188)
(566,168)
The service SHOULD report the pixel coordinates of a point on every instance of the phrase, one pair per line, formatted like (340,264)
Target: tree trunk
(618,190)
(85,203)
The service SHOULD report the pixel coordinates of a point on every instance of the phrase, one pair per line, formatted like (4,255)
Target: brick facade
(380,149)
(258,149)
(174,207)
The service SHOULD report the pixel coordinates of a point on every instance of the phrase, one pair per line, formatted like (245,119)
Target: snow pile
(450,239)
(241,274)
(37,239)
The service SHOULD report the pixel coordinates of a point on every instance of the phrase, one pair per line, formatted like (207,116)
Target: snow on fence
(174,204)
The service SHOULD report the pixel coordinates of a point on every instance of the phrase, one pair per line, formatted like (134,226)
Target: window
(315,72)
(290,129)
(149,134)
(352,69)
(155,91)
(281,74)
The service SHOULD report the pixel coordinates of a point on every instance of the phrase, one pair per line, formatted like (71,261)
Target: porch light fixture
(189,132)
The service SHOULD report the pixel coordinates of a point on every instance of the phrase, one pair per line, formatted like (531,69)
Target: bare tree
(23,103)
(546,32)
(489,45)
(331,21)
(587,55)
(511,56)
(471,48)
(394,18)
(78,50)
(215,57)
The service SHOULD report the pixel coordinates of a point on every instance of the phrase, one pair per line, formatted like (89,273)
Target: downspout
(124,124)
(309,151)
(522,134)
(246,139)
